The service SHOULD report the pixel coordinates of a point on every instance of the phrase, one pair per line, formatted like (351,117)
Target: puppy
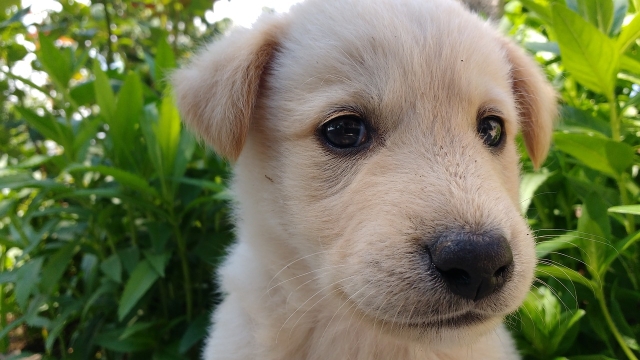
(376,180)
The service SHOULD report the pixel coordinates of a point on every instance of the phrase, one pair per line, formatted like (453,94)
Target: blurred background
(113,218)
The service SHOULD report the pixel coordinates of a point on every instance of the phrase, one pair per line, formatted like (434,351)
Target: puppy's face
(381,137)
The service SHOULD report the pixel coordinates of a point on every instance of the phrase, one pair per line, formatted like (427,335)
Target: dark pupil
(345,132)
(490,131)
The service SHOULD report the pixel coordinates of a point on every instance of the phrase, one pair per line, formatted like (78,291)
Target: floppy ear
(217,90)
(536,102)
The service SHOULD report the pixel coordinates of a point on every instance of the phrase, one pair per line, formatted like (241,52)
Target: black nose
(473,266)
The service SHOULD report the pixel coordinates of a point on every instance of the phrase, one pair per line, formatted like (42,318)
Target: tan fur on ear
(217,90)
(536,101)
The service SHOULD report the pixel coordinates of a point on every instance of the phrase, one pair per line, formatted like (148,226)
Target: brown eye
(490,129)
(347,131)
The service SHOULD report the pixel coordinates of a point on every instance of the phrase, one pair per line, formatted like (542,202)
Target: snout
(472,266)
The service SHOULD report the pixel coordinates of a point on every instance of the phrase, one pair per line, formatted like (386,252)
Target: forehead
(396,55)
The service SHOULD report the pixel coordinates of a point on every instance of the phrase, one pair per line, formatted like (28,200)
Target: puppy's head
(376,139)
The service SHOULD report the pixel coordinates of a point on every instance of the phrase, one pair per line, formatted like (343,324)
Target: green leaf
(104,94)
(196,331)
(599,13)
(587,53)
(529,183)
(129,105)
(125,178)
(139,342)
(84,94)
(49,127)
(564,241)
(629,34)
(164,60)
(564,273)
(551,47)
(16,18)
(629,64)
(33,161)
(184,153)
(16,52)
(7,277)
(12,325)
(621,246)
(205,184)
(55,61)
(619,156)
(148,124)
(590,150)
(159,232)
(625,209)
(618,315)
(125,122)
(543,12)
(142,277)
(87,131)
(131,330)
(26,81)
(112,267)
(55,267)
(27,277)
(158,261)
(620,8)
(566,329)
(576,120)
(595,230)
(167,133)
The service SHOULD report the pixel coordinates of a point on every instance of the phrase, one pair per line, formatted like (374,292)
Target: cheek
(510,172)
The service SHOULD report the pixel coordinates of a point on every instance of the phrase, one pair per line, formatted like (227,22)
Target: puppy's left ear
(536,102)
(217,90)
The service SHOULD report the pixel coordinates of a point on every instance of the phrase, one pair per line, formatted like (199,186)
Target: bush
(112,218)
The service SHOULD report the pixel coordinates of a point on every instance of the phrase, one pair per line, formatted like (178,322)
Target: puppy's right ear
(536,101)
(217,90)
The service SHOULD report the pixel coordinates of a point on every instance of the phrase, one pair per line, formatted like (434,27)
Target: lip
(466,319)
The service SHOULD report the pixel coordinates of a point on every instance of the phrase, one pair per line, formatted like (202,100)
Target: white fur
(325,266)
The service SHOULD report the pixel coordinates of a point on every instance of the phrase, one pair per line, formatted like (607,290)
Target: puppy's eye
(490,130)
(345,131)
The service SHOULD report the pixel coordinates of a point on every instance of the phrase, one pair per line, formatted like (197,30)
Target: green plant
(111,216)
(588,190)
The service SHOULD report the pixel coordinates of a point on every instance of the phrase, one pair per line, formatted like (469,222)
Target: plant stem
(620,180)
(182,253)
(107,18)
(612,326)
(615,120)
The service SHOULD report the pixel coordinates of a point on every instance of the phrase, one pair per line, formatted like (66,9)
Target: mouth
(460,320)
(466,319)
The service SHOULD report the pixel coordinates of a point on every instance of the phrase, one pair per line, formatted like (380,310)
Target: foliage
(112,217)
(586,300)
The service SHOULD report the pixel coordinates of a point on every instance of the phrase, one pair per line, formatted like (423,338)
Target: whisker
(343,304)
(295,261)
(573,294)
(554,292)
(307,273)
(309,299)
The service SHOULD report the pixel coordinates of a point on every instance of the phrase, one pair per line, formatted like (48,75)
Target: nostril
(501,272)
(456,275)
